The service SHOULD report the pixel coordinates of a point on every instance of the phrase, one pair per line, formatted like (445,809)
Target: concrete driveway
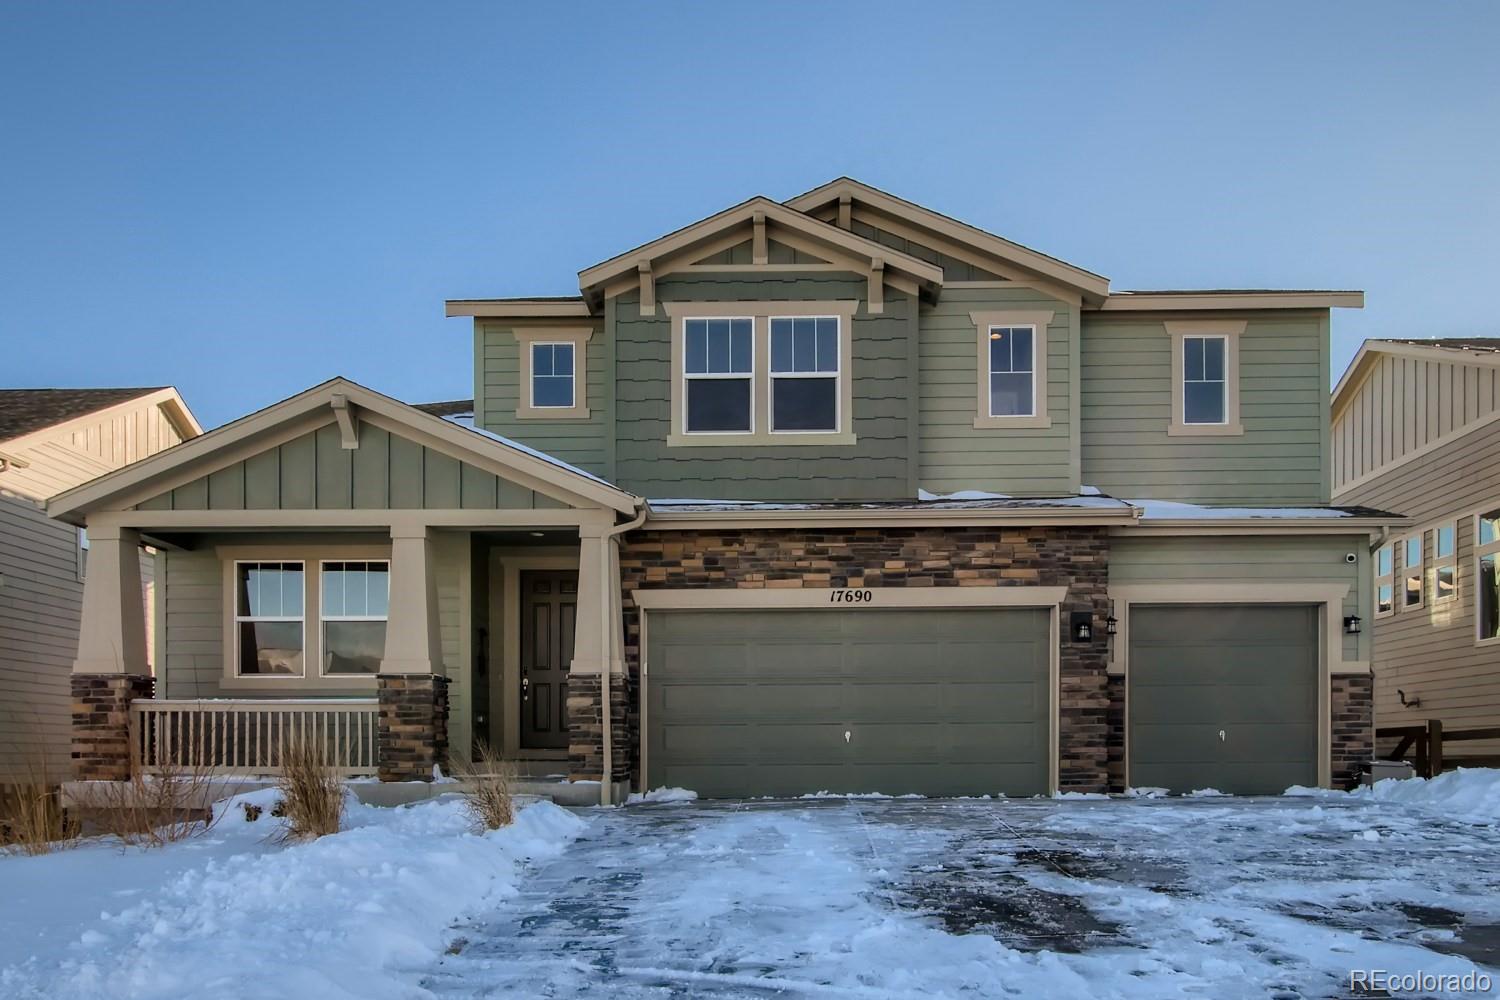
(1082,897)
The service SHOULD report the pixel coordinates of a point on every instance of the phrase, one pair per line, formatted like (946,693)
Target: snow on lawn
(1471,795)
(232,913)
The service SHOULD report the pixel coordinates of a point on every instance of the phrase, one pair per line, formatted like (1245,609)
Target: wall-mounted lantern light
(1351,624)
(1083,626)
(1111,625)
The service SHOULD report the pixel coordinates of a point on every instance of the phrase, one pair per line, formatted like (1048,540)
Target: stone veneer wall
(1352,706)
(1076,558)
(411,734)
(101,724)
(586,728)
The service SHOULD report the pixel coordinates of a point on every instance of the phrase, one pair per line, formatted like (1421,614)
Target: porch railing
(250,737)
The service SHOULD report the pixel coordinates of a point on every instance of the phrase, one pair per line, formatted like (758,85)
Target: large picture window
(804,373)
(1012,371)
(1487,574)
(718,369)
(268,619)
(355,600)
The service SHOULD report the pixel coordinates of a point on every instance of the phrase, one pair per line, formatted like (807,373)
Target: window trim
(1383,579)
(1228,330)
(983,321)
(528,337)
(760,314)
(1481,549)
(236,619)
(572,376)
(1402,543)
(323,619)
(1440,562)
(772,375)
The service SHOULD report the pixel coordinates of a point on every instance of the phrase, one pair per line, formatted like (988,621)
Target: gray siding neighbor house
(830,493)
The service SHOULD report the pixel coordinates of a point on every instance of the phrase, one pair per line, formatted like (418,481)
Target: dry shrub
(154,810)
(312,791)
(489,787)
(32,818)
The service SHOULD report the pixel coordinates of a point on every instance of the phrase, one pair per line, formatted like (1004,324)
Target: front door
(549,605)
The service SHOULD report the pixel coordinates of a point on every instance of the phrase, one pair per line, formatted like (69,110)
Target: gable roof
(199,455)
(23,411)
(1459,350)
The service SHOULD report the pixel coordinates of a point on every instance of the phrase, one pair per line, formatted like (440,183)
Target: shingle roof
(25,410)
(1455,343)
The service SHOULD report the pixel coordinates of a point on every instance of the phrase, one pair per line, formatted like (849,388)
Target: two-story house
(832,493)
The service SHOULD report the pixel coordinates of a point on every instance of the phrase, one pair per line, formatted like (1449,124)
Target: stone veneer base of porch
(411,735)
(101,723)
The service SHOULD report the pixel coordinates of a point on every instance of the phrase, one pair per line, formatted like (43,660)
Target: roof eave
(730,517)
(518,308)
(1209,300)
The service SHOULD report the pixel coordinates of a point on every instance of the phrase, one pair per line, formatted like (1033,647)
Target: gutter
(607,611)
(855,517)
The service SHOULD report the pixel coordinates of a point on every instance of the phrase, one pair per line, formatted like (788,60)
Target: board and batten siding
(314,472)
(1292,560)
(72,453)
(1430,652)
(1406,404)
(878,466)
(955,455)
(1282,459)
(497,388)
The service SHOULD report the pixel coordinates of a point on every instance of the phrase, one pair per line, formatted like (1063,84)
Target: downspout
(606,686)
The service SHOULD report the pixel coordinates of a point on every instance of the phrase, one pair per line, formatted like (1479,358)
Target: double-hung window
(354,605)
(718,372)
(804,373)
(268,619)
(1385,581)
(1444,563)
(1205,388)
(1205,377)
(1487,574)
(1411,571)
(1012,371)
(552,376)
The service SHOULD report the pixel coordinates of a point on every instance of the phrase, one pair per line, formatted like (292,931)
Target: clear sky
(243,200)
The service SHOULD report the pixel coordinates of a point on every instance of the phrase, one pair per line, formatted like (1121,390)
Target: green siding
(776,253)
(953,268)
(1126,399)
(875,467)
(313,472)
(498,388)
(955,454)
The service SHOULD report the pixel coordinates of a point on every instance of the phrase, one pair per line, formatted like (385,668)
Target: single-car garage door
(938,702)
(1223,696)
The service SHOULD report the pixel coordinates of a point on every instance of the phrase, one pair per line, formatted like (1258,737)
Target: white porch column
(589,651)
(413,642)
(112,634)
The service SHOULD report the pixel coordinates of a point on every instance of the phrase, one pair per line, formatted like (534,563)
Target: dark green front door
(1224,697)
(936,702)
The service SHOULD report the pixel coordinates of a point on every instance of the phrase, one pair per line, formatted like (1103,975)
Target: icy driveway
(835,897)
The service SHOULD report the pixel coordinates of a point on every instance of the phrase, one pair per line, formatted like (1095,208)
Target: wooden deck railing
(1429,739)
(249,737)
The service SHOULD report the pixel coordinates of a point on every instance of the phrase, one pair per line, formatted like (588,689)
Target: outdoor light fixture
(1351,624)
(1083,626)
(1111,625)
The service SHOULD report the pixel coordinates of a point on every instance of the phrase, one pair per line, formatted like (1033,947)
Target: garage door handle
(1221,736)
(846,736)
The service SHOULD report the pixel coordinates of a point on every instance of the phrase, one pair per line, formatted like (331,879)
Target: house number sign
(851,595)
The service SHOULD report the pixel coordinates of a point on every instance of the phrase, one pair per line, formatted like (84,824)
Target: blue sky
(245,200)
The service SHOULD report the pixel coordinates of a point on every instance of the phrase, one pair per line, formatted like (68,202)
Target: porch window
(1445,563)
(1487,574)
(552,376)
(1411,565)
(1385,581)
(804,373)
(355,601)
(270,633)
(718,371)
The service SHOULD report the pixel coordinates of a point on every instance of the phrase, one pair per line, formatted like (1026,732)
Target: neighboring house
(832,493)
(1415,429)
(52,440)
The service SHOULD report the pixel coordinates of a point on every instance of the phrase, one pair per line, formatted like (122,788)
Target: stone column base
(1352,727)
(101,723)
(411,735)
(586,729)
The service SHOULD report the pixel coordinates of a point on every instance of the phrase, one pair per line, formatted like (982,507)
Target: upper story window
(1385,580)
(1445,563)
(1012,368)
(804,373)
(719,369)
(761,373)
(1205,377)
(1487,574)
(553,373)
(269,627)
(1012,372)
(355,602)
(1411,577)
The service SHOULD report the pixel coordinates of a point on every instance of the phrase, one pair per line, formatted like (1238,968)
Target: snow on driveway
(1143,898)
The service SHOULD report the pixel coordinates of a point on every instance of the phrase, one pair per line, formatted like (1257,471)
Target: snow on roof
(1169,510)
(466,421)
(963,500)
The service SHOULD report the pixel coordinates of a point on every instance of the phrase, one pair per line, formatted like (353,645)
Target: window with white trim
(354,604)
(1385,581)
(1487,574)
(552,376)
(83,554)
(1444,563)
(1012,371)
(1411,571)
(718,371)
(1205,387)
(804,373)
(269,624)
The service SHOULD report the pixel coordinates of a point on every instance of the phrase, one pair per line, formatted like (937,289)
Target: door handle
(525,688)
(1221,736)
(846,736)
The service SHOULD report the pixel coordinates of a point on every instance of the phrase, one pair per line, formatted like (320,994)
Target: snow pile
(662,795)
(926,497)
(1206,793)
(236,916)
(1469,794)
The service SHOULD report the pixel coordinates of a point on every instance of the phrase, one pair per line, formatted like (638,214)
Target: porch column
(412,691)
(590,668)
(110,670)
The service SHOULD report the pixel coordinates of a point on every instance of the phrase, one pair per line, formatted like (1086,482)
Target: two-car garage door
(785,702)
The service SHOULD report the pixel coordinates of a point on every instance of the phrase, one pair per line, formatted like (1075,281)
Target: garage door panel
(815,742)
(809,699)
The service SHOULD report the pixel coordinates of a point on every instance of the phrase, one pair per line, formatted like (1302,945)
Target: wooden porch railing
(249,737)
(1430,759)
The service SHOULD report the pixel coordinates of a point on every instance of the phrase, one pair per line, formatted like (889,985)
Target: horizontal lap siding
(1430,652)
(1127,407)
(876,467)
(583,443)
(955,454)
